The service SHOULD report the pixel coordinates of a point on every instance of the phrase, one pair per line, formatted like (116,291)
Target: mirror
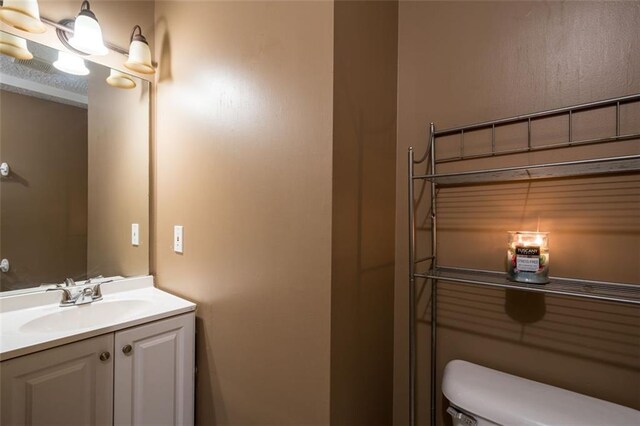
(77,174)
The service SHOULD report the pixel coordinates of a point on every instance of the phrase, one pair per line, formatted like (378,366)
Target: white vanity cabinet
(154,372)
(138,375)
(66,385)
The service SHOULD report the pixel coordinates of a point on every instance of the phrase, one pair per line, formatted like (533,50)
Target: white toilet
(480,396)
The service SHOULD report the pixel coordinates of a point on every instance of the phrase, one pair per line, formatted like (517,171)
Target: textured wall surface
(467,62)
(118,178)
(364,143)
(243,162)
(48,174)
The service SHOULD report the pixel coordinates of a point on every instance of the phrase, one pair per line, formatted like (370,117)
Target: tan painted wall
(243,162)
(44,201)
(364,143)
(467,62)
(118,177)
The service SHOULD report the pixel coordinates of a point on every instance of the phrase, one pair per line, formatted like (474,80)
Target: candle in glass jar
(528,257)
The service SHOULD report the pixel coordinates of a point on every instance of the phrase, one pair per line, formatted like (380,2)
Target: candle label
(527,258)
(527,251)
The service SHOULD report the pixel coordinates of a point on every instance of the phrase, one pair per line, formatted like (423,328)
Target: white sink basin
(86,316)
(35,321)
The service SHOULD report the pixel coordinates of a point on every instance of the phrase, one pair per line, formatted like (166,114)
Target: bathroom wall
(362,266)
(46,159)
(468,62)
(243,160)
(118,177)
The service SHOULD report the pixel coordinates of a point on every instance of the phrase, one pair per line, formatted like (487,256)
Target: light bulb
(87,34)
(120,80)
(71,64)
(139,53)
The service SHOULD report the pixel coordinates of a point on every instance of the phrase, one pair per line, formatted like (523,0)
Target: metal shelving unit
(596,290)
(591,167)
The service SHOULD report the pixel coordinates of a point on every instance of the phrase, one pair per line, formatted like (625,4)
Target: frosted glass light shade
(139,53)
(15,47)
(23,15)
(71,64)
(120,80)
(87,34)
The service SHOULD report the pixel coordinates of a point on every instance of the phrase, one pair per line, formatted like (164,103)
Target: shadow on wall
(145,93)
(15,178)
(362,270)
(164,63)
(363,213)
(206,376)
(594,331)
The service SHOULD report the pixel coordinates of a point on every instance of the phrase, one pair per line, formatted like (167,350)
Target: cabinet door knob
(126,349)
(104,356)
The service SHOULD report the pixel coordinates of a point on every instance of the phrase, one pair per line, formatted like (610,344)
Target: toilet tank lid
(508,400)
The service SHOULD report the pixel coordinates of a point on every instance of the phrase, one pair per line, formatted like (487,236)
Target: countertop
(34,322)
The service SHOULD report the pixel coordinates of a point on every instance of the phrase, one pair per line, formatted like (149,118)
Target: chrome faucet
(80,297)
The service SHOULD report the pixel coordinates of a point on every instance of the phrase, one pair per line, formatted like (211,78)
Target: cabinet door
(154,369)
(67,385)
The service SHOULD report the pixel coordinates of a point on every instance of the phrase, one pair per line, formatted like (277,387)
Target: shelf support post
(434,287)
(412,292)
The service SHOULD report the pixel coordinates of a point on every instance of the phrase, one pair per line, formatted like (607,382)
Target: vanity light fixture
(139,53)
(13,46)
(22,14)
(120,80)
(71,64)
(87,34)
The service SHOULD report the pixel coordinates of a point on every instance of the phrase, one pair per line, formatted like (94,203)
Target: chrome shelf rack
(599,290)
(626,293)
(591,167)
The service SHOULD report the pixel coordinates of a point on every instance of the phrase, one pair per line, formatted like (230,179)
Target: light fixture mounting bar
(61,27)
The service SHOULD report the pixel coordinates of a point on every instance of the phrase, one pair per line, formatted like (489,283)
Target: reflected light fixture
(71,64)
(139,53)
(87,34)
(23,15)
(120,80)
(13,46)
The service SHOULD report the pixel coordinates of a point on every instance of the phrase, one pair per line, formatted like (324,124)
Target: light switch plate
(178,237)
(135,234)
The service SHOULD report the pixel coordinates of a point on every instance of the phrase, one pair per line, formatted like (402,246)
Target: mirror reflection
(74,191)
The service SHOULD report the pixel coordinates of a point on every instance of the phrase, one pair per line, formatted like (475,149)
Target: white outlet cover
(178,238)
(135,234)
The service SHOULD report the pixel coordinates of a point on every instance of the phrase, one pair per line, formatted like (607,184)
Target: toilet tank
(482,396)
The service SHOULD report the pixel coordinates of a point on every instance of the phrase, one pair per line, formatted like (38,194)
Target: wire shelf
(614,165)
(600,290)
(592,167)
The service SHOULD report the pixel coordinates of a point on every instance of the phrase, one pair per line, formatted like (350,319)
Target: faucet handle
(66,294)
(69,282)
(97,292)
